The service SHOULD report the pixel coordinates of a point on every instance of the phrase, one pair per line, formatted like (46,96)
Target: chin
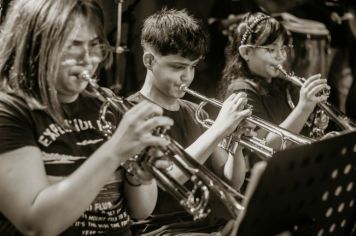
(272,73)
(180,95)
(77,90)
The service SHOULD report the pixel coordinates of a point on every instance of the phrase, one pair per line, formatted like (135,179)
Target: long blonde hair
(32,38)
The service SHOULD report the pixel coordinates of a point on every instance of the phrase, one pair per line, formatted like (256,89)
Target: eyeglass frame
(108,49)
(272,53)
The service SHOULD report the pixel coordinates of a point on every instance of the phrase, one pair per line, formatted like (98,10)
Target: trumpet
(252,143)
(344,122)
(194,201)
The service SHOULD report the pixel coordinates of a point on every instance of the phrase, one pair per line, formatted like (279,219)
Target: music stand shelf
(306,190)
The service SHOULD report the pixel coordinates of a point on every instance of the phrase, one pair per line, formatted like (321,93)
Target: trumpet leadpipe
(341,119)
(298,81)
(285,134)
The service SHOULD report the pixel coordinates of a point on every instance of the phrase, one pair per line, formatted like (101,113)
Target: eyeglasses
(98,51)
(274,51)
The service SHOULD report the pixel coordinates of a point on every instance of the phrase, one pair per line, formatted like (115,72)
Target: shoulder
(17,120)
(187,104)
(191,107)
(11,103)
(250,86)
(242,84)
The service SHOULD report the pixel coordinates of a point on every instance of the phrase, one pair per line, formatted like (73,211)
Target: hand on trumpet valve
(233,111)
(313,91)
(136,130)
(136,175)
(137,172)
(246,129)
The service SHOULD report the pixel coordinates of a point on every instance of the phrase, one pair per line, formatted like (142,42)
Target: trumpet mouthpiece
(281,69)
(279,66)
(183,87)
(85,75)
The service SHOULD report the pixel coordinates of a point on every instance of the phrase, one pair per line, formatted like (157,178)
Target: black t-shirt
(271,102)
(63,151)
(185,131)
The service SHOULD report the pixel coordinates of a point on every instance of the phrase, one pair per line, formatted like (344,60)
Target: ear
(245,52)
(148,58)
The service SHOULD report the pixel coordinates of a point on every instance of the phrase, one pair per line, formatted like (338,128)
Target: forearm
(141,200)
(237,168)
(73,195)
(294,123)
(200,150)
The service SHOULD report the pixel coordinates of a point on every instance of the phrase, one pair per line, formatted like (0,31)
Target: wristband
(129,182)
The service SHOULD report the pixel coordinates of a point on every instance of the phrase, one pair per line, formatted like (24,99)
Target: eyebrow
(81,41)
(185,64)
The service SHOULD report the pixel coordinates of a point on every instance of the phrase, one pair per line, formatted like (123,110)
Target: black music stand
(307,190)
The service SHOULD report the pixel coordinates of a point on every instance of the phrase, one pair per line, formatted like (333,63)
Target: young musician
(58,174)
(174,43)
(260,44)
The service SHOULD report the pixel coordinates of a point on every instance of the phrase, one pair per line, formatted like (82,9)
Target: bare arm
(25,189)
(228,119)
(237,169)
(230,167)
(141,200)
(35,207)
(308,99)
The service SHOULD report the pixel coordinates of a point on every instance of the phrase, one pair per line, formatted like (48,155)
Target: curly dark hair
(254,29)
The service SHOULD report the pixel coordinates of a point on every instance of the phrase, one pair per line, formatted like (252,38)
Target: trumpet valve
(229,144)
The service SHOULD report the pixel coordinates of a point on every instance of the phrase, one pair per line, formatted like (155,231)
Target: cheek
(263,63)
(62,74)
(63,77)
(164,83)
(166,76)
(58,84)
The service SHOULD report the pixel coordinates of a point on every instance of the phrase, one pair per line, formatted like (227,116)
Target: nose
(85,56)
(188,74)
(281,55)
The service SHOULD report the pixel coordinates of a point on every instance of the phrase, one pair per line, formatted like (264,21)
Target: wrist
(131,180)
(217,132)
(306,108)
(135,181)
(116,158)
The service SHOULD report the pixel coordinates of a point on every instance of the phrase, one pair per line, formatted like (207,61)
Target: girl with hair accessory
(259,44)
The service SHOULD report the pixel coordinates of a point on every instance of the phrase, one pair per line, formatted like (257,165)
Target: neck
(67,98)
(269,79)
(149,91)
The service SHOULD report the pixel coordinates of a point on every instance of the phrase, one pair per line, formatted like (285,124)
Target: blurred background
(323,34)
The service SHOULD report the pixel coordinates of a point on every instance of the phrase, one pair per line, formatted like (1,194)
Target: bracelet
(129,182)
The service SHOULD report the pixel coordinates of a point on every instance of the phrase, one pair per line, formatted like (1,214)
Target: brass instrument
(344,122)
(252,143)
(204,181)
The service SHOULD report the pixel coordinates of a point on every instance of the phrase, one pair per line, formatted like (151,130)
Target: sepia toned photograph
(178,118)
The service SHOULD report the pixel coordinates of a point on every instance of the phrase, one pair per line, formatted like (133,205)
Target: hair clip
(250,28)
